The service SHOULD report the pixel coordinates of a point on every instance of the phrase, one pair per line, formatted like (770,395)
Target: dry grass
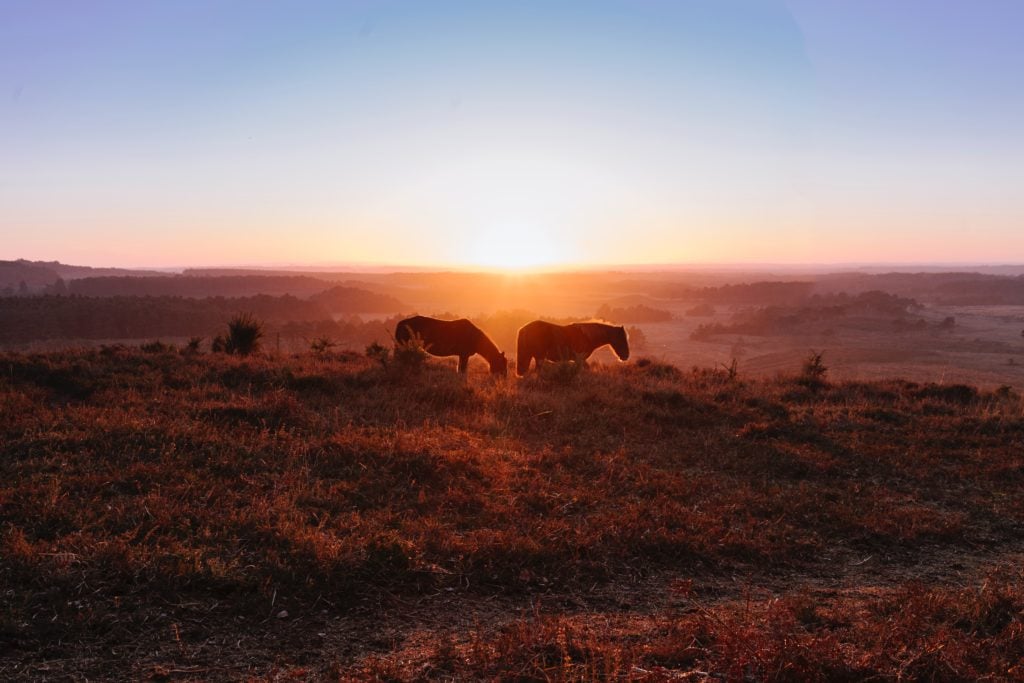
(160,511)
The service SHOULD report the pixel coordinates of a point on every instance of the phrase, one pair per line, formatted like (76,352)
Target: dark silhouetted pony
(452,338)
(542,341)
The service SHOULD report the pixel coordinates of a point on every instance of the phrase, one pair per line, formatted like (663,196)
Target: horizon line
(362,266)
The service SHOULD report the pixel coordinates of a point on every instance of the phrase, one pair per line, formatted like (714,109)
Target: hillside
(37,275)
(210,517)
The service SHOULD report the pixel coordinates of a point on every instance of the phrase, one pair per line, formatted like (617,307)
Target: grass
(213,516)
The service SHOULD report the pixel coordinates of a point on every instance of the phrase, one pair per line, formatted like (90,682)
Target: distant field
(985,347)
(209,517)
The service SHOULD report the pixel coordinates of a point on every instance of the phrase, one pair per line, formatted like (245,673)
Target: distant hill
(25,276)
(200,287)
(38,275)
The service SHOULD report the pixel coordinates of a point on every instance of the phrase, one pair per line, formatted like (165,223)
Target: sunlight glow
(514,248)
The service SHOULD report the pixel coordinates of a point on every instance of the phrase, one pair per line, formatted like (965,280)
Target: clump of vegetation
(378,352)
(731,370)
(321,346)
(157,346)
(411,355)
(243,336)
(562,372)
(813,370)
(192,346)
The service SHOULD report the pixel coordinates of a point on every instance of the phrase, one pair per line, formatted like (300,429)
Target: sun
(514,247)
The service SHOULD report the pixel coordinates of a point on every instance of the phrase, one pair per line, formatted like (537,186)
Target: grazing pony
(542,341)
(452,338)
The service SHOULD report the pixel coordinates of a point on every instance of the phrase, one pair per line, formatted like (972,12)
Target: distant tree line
(819,308)
(25,319)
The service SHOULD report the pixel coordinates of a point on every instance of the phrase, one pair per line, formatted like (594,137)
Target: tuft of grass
(192,346)
(244,334)
(157,346)
(378,352)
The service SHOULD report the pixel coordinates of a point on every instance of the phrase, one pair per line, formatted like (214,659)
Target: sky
(534,133)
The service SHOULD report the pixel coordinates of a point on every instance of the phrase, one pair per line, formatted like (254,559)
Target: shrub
(731,369)
(156,346)
(192,347)
(244,333)
(322,345)
(379,353)
(813,370)
(410,355)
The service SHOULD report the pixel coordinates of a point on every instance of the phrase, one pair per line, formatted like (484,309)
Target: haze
(511,134)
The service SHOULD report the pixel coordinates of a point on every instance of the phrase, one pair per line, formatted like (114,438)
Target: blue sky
(511,133)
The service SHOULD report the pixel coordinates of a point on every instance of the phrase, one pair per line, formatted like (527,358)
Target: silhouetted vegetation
(58,317)
(244,333)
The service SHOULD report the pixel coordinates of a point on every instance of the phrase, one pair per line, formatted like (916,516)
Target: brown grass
(216,517)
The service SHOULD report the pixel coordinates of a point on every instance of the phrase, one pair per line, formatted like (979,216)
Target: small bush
(813,370)
(321,346)
(411,355)
(244,334)
(379,353)
(156,346)
(731,370)
(192,346)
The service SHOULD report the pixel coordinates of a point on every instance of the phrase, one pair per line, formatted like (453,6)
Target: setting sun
(515,247)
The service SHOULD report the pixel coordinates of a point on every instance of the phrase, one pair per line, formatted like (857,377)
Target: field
(984,348)
(172,516)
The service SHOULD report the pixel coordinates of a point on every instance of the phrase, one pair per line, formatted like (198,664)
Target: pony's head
(619,342)
(500,365)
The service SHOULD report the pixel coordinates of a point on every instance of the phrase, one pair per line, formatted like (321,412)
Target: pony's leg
(463,364)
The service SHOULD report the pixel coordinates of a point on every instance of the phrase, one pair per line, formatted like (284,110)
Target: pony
(542,341)
(452,338)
